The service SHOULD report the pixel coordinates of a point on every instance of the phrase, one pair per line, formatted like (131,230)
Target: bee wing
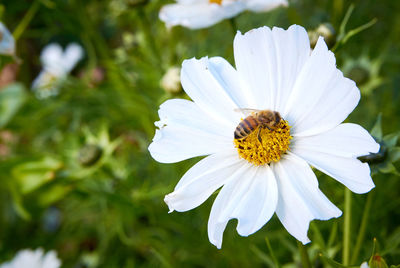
(246,111)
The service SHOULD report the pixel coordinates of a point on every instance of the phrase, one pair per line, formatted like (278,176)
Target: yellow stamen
(219,2)
(273,144)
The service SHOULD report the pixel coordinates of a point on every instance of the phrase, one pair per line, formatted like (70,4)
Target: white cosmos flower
(275,70)
(364,265)
(33,259)
(196,14)
(7,43)
(57,64)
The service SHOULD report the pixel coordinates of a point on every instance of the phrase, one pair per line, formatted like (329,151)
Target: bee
(260,119)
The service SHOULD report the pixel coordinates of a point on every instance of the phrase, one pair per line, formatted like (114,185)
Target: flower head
(7,43)
(196,14)
(33,259)
(57,64)
(262,125)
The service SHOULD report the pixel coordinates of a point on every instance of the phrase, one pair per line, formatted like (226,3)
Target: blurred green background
(75,173)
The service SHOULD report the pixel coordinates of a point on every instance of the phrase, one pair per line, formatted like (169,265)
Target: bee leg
(258,135)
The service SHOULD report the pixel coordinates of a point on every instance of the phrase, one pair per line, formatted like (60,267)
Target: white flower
(57,64)
(364,265)
(7,43)
(33,259)
(275,70)
(196,14)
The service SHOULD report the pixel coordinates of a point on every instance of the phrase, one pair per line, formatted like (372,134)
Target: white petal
(202,180)
(250,196)
(72,55)
(264,5)
(210,83)
(52,59)
(7,42)
(186,131)
(268,62)
(198,15)
(300,200)
(321,98)
(293,49)
(347,140)
(349,171)
(50,260)
(364,265)
(46,84)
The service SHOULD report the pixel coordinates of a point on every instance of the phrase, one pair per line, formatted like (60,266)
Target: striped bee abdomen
(245,127)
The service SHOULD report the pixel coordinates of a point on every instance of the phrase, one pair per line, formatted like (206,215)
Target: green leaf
(332,263)
(377,129)
(11,100)
(394,154)
(358,30)
(32,175)
(391,139)
(388,167)
(18,205)
(53,194)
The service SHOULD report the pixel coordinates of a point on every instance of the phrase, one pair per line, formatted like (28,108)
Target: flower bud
(359,74)
(89,154)
(377,261)
(325,30)
(171,81)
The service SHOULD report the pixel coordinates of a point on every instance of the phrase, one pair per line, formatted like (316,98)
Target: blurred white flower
(268,171)
(196,14)
(364,265)
(7,43)
(33,259)
(171,81)
(57,64)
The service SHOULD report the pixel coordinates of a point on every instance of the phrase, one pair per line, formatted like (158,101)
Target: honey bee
(260,119)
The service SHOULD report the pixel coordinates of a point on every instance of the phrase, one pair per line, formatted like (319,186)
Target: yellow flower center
(219,2)
(262,146)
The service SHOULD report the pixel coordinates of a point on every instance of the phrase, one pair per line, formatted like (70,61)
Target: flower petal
(264,5)
(204,178)
(7,42)
(213,85)
(347,140)
(186,131)
(72,55)
(52,57)
(250,196)
(349,171)
(268,62)
(198,15)
(50,260)
(300,200)
(321,98)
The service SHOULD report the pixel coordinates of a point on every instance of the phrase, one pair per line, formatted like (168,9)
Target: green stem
(346,227)
(148,33)
(363,226)
(274,259)
(26,20)
(305,260)
(234,27)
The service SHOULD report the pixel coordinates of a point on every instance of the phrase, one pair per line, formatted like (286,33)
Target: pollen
(219,2)
(263,146)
